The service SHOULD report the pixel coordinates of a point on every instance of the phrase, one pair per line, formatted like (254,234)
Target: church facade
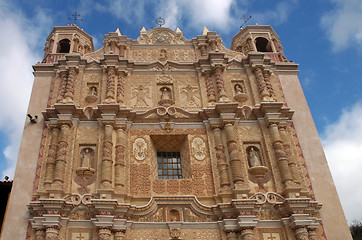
(168,138)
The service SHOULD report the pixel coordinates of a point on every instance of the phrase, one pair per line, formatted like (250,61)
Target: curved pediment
(161,35)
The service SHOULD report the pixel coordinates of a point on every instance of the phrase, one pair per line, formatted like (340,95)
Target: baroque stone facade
(168,138)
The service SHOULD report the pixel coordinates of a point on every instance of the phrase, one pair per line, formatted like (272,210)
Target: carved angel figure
(141,93)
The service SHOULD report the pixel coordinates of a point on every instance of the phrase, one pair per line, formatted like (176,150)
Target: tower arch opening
(263,45)
(64,46)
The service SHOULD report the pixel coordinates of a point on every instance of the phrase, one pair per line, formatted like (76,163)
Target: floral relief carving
(199,148)
(140,179)
(140,149)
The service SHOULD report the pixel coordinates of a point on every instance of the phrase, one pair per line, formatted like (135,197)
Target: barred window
(169,165)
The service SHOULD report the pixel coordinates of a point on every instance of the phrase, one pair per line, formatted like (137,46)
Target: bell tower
(67,39)
(262,39)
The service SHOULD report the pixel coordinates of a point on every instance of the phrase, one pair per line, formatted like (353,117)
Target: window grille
(169,165)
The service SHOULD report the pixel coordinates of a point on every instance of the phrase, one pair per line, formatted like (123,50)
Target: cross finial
(245,19)
(160,21)
(75,17)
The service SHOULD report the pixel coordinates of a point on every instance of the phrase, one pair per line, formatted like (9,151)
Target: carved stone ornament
(175,233)
(199,148)
(140,149)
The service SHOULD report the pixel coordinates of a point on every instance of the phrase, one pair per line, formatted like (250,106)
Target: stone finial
(205,31)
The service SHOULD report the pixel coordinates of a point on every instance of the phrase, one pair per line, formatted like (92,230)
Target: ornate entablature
(182,137)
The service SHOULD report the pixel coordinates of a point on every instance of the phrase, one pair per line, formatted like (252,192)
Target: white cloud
(343,24)
(343,147)
(20,48)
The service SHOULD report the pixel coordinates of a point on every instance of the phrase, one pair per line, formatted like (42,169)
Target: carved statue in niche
(175,215)
(140,149)
(141,93)
(93,91)
(85,173)
(166,98)
(238,89)
(163,55)
(191,95)
(165,93)
(254,157)
(240,94)
(199,148)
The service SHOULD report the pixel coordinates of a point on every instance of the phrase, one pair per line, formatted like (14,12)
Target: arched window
(64,46)
(263,45)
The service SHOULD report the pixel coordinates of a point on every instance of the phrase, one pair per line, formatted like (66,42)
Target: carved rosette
(50,167)
(104,234)
(220,83)
(110,84)
(221,159)
(120,87)
(210,88)
(235,162)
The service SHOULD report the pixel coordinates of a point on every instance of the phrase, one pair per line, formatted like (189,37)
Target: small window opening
(64,46)
(169,165)
(262,45)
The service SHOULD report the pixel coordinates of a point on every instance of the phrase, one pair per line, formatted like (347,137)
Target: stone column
(268,84)
(261,83)
(220,83)
(40,234)
(312,234)
(104,234)
(231,235)
(112,46)
(292,165)
(61,158)
(301,233)
(50,167)
(119,234)
(122,49)
(120,86)
(221,160)
(110,84)
(62,86)
(280,154)
(202,47)
(52,233)
(235,162)
(247,234)
(119,178)
(209,88)
(106,165)
(69,93)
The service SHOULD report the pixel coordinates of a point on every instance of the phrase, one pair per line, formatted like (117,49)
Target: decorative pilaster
(209,88)
(202,47)
(247,234)
(120,86)
(122,50)
(261,83)
(61,158)
(213,45)
(291,163)
(69,93)
(220,83)
(280,154)
(268,84)
(104,233)
(110,84)
(62,86)
(52,233)
(251,45)
(40,234)
(106,165)
(235,162)
(50,167)
(120,161)
(221,160)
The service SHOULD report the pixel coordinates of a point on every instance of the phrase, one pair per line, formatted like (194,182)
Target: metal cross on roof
(160,21)
(75,17)
(245,19)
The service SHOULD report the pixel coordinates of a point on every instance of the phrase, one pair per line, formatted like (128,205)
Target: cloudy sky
(323,36)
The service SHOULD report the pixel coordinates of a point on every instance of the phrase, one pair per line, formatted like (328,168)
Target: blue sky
(323,36)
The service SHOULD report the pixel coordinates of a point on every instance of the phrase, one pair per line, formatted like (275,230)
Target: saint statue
(93,91)
(165,94)
(254,158)
(238,89)
(86,159)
